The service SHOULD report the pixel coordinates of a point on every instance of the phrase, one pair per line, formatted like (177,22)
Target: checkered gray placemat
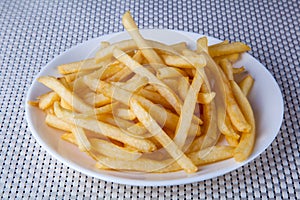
(33,32)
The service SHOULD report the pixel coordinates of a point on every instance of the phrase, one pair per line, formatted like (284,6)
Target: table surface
(34,32)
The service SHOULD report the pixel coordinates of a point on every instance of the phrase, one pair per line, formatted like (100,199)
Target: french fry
(152,126)
(105,129)
(246,84)
(247,140)
(227,49)
(74,67)
(142,44)
(111,150)
(135,105)
(162,88)
(187,111)
(47,100)
(64,93)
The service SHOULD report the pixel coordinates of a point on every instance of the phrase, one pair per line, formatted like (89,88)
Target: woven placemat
(34,32)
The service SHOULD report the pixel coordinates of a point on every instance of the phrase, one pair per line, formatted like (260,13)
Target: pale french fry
(202,43)
(64,93)
(246,84)
(155,97)
(55,122)
(138,129)
(96,99)
(126,72)
(111,150)
(82,65)
(135,83)
(162,137)
(81,139)
(124,113)
(98,111)
(179,46)
(187,111)
(69,137)
(183,87)
(162,88)
(65,105)
(226,49)
(184,61)
(169,72)
(47,100)
(247,140)
(105,129)
(142,44)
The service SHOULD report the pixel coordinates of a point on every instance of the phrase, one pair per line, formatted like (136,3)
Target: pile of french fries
(141,105)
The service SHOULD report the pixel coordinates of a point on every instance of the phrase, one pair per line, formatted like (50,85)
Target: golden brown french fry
(69,137)
(238,70)
(227,129)
(47,100)
(184,61)
(218,44)
(246,84)
(226,49)
(231,57)
(111,150)
(155,97)
(71,98)
(104,129)
(206,98)
(247,140)
(154,128)
(233,142)
(226,66)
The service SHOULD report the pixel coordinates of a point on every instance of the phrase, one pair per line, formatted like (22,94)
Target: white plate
(265,98)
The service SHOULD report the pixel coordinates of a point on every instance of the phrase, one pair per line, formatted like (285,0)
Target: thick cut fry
(162,137)
(218,44)
(246,84)
(233,142)
(247,140)
(227,129)
(226,49)
(111,150)
(154,97)
(47,100)
(72,99)
(135,83)
(105,129)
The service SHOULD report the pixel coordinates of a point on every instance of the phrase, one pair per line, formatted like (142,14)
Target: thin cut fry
(162,137)
(246,143)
